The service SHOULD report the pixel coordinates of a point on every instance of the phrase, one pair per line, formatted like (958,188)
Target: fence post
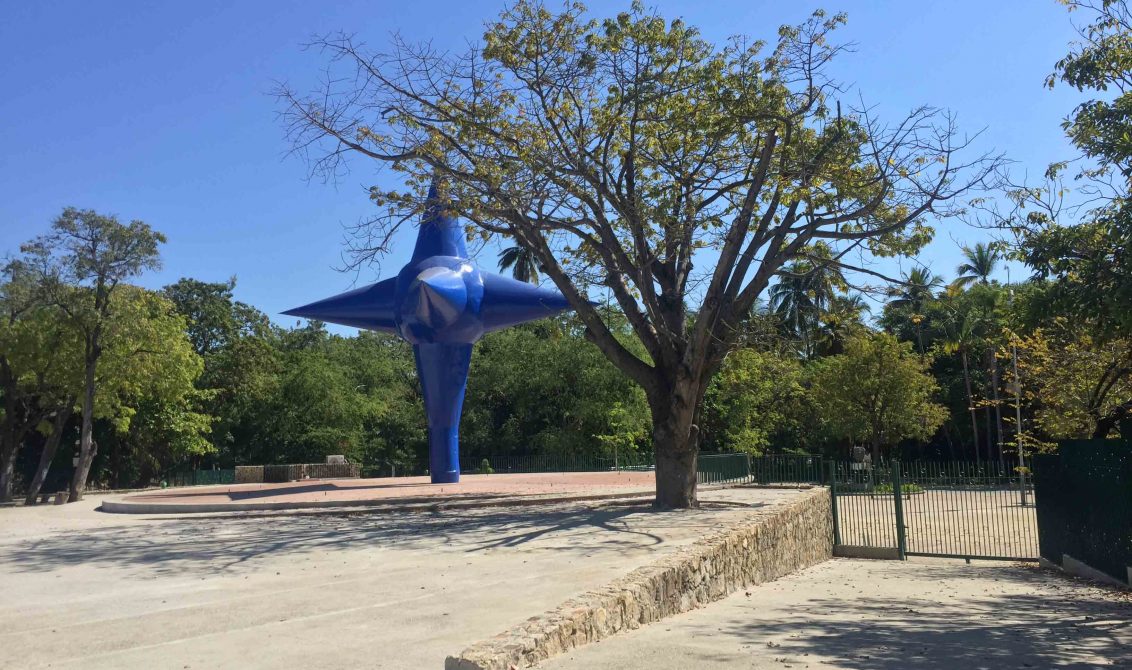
(833,501)
(898,503)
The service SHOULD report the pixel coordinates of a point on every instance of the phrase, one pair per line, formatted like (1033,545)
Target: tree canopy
(617,150)
(879,390)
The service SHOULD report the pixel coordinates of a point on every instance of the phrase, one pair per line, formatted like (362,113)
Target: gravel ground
(981,523)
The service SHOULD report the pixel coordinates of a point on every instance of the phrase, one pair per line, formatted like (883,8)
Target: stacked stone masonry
(757,550)
(259,474)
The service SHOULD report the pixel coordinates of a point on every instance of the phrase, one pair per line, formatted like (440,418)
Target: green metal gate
(953,510)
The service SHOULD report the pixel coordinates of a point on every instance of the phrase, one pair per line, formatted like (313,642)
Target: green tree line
(188,376)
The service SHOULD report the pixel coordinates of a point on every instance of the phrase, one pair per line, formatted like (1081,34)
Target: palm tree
(841,320)
(917,288)
(982,261)
(990,301)
(802,293)
(522,261)
(962,331)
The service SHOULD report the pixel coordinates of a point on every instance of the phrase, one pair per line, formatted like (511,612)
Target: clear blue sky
(161,112)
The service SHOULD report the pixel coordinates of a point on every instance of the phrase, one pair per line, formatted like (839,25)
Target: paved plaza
(389,491)
(381,588)
(85,589)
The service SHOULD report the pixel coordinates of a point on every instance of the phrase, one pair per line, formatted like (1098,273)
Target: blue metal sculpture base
(440,303)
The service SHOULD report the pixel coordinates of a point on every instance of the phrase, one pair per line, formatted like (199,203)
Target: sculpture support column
(443,371)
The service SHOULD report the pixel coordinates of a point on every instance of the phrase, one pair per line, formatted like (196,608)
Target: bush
(905,488)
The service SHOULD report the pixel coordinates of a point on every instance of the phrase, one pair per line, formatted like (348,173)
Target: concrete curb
(1082,569)
(386,505)
(871,553)
(751,552)
(125,506)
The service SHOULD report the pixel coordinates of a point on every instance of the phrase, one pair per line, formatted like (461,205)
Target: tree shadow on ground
(256,495)
(278,491)
(215,544)
(1056,623)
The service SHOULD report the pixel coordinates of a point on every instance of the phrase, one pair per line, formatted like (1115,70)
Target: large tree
(94,253)
(878,392)
(1081,386)
(215,318)
(633,154)
(145,397)
(1080,239)
(35,365)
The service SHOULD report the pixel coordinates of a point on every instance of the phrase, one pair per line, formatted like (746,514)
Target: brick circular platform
(391,492)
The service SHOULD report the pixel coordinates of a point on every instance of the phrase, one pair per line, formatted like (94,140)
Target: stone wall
(249,474)
(259,474)
(751,552)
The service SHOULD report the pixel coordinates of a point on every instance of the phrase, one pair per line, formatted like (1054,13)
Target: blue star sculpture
(441,303)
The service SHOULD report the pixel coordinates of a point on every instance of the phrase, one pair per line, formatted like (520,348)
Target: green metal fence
(864,514)
(787,469)
(726,468)
(723,469)
(947,509)
(1086,504)
(567,462)
(201,478)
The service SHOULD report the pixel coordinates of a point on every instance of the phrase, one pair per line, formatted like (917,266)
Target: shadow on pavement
(1052,625)
(213,544)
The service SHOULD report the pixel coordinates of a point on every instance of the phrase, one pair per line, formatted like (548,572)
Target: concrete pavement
(83,589)
(886,615)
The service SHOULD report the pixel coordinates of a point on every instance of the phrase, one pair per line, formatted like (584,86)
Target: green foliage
(522,263)
(905,488)
(1079,385)
(541,388)
(214,318)
(755,396)
(1101,63)
(628,430)
(878,391)
(148,359)
(1088,262)
(806,292)
(981,262)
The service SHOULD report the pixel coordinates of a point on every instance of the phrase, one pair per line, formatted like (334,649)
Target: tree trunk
(9,440)
(997,410)
(1103,428)
(87,448)
(989,436)
(1108,422)
(7,468)
(971,405)
(675,443)
(58,425)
